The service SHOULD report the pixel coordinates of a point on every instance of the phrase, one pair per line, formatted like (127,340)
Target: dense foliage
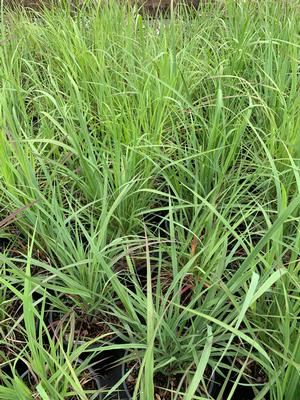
(150,178)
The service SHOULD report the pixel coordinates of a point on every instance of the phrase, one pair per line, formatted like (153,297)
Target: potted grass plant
(87,377)
(175,349)
(77,328)
(193,322)
(27,381)
(41,367)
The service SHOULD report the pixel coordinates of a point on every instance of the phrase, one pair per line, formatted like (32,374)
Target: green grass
(165,148)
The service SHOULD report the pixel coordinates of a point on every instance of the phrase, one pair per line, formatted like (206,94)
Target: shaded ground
(151,4)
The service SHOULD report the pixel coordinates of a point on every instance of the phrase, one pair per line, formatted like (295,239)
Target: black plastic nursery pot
(125,390)
(102,360)
(243,391)
(110,380)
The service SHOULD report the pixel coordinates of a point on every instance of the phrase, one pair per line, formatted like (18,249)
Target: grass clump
(150,187)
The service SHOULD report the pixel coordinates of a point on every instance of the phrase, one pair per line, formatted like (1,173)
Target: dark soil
(14,244)
(165,385)
(86,326)
(4,244)
(87,383)
(254,371)
(14,340)
(93,326)
(164,279)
